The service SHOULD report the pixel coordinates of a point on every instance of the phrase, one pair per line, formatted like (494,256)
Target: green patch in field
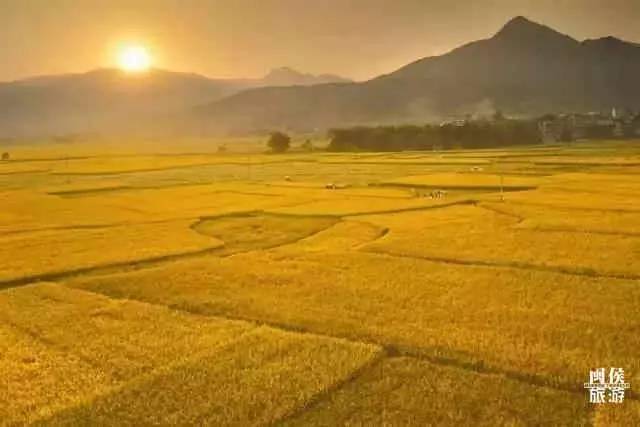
(251,231)
(468,181)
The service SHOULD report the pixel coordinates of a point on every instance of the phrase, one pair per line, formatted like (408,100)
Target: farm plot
(100,206)
(590,161)
(75,357)
(469,181)
(356,206)
(61,346)
(19,168)
(532,324)
(606,184)
(243,232)
(578,199)
(128,164)
(471,235)
(406,391)
(256,380)
(548,218)
(185,202)
(242,291)
(45,254)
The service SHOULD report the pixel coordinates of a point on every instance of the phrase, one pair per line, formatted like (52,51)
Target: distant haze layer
(359,39)
(525,69)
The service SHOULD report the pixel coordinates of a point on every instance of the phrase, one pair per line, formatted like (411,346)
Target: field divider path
(575,208)
(109,268)
(142,378)
(553,229)
(429,354)
(509,264)
(325,394)
(126,266)
(463,202)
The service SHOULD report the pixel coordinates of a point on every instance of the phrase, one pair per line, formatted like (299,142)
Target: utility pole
(499,170)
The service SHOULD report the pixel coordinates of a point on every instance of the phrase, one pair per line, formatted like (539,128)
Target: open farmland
(205,288)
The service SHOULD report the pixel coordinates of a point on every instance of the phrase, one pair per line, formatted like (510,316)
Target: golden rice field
(175,285)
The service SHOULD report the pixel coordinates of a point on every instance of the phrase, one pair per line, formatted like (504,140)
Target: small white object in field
(437,194)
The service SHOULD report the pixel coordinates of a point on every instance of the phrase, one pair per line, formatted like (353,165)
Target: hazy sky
(245,38)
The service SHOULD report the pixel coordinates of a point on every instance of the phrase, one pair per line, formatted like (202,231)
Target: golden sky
(246,38)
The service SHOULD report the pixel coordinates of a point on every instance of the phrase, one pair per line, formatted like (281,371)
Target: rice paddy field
(176,285)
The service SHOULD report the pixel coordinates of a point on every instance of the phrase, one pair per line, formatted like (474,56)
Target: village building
(619,123)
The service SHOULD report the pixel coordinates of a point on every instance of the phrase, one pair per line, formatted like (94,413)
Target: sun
(134,59)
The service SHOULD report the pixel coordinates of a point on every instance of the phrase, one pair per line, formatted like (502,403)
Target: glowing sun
(134,59)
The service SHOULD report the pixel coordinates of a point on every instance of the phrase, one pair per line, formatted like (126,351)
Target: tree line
(467,134)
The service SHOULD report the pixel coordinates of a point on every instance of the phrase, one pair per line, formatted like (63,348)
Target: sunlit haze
(246,38)
(134,59)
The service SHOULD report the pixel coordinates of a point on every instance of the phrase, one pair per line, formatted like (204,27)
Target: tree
(279,142)
(5,156)
(307,145)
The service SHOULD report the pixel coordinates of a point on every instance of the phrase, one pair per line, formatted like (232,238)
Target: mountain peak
(283,72)
(520,24)
(521,30)
(287,76)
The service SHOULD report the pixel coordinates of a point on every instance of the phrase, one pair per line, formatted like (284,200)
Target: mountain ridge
(108,99)
(524,69)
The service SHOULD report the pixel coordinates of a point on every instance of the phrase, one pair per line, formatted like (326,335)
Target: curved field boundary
(87,192)
(35,171)
(124,266)
(413,209)
(379,212)
(587,272)
(407,163)
(90,191)
(105,268)
(59,228)
(175,167)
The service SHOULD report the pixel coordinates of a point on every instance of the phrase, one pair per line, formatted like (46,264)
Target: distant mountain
(109,100)
(100,99)
(525,69)
(286,76)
